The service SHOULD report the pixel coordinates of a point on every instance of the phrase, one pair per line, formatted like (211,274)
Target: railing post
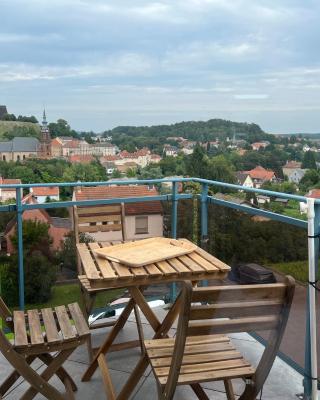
(308,380)
(20,248)
(204,216)
(174,224)
(204,221)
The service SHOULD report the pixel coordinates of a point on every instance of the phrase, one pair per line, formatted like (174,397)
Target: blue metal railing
(174,197)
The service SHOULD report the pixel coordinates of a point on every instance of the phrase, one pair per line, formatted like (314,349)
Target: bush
(39,277)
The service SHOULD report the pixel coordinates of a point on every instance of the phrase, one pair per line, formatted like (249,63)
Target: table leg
(108,342)
(144,362)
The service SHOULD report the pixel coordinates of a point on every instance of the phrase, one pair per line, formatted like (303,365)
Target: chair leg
(61,373)
(229,389)
(198,390)
(13,377)
(51,369)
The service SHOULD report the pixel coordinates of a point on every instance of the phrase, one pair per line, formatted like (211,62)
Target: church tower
(45,138)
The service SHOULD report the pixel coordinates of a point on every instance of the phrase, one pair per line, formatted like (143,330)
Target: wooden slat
(64,322)
(248,324)
(166,268)
(139,272)
(99,209)
(191,349)
(205,367)
(191,340)
(208,266)
(153,271)
(99,228)
(87,262)
(50,325)
(36,336)
(236,310)
(103,264)
(196,358)
(20,329)
(186,379)
(193,266)
(100,218)
(78,319)
(122,271)
(239,292)
(214,260)
(177,265)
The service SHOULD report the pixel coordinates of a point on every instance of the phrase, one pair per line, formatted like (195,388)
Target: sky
(99,64)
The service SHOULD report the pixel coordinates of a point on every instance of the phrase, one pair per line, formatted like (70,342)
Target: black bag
(253,273)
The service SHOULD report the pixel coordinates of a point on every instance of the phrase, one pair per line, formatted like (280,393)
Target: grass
(7,126)
(70,293)
(297,269)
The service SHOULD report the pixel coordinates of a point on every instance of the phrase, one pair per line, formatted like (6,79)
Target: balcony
(292,371)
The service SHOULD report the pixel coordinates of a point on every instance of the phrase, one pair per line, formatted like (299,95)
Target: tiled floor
(283,382)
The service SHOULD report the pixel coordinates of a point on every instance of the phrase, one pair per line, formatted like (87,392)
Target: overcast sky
(100,64)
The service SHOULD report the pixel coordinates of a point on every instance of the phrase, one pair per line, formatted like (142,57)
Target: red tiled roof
(56,142)
(84,158)
(4,181)
(314,194)
(260,173)
(45,191)
(110,192)
(136,154)
(292,164)
(72,144)
(109,158)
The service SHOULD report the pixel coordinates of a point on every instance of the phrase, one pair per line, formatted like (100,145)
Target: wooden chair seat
(206,358)
(50,335)
(49,330)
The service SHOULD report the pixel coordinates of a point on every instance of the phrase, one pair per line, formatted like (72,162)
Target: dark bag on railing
(253,273)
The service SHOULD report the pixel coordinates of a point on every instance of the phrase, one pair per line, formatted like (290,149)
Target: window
(141,225)
(4,158)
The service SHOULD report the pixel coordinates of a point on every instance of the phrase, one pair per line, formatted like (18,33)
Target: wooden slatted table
(103,274)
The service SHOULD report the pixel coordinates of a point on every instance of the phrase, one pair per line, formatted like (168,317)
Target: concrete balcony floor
(283,383)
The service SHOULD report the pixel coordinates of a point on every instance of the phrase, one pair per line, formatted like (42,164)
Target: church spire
(44,118)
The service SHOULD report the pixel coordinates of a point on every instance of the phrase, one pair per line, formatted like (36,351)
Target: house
(259,145)
(7,193)
(81,158)
(262,199)
(244,179)
(260,175)
(129,165)
(3,111)
(58,227)
(170,151)
(293,171)
(56,147)
(142,220)
(41,194)
(19,148)
(313,193)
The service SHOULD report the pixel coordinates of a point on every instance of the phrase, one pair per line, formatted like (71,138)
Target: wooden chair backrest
(101,218)
(229,309)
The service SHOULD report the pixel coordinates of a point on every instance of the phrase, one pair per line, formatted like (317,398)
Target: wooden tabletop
(101,273)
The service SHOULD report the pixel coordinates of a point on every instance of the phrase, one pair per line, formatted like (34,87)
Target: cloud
(251,96)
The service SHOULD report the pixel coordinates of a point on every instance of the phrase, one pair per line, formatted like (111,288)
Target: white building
(42,194)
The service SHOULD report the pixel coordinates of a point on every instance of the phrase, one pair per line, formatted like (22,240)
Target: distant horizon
(152,62)
(39,118)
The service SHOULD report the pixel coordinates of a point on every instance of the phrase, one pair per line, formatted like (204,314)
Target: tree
(8,117)
(83,173)
(40,273)
(61,128)
(309,160)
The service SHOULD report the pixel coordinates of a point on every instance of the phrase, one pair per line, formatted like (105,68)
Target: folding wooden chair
(97,222)
(39,334)
(201,352)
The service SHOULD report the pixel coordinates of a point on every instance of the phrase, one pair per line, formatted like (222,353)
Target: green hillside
(8,129)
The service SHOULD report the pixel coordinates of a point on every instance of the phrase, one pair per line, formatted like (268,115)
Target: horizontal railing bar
(65,204)
(254,190)
(99,183)
(255,211)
